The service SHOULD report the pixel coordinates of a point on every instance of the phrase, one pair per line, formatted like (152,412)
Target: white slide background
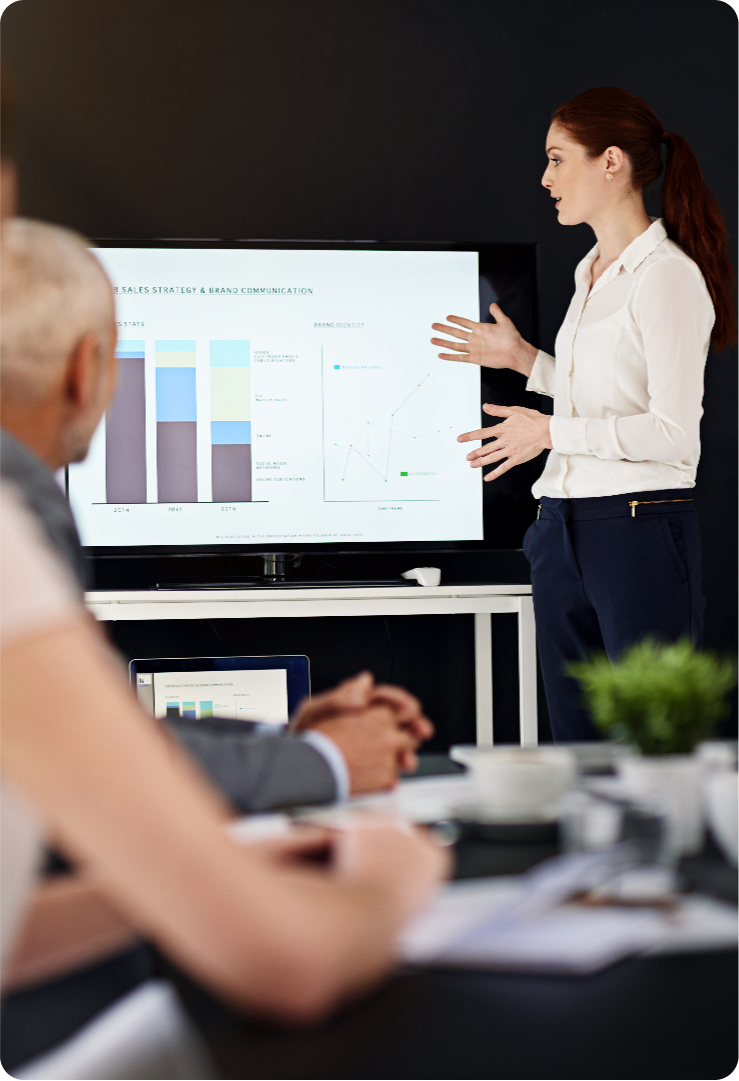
(347,396)
(258,695)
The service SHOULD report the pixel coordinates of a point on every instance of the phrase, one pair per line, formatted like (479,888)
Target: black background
(394,120)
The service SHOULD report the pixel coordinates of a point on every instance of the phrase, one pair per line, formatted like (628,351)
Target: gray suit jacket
(256,772)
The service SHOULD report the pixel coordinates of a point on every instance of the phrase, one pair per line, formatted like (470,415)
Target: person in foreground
(56,379)
(143,828)
(260,928)
(615,548)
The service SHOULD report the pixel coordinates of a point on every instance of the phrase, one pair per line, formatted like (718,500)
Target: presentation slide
(283,396)
(258,695)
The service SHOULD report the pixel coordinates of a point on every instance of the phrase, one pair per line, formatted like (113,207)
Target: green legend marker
(404,474)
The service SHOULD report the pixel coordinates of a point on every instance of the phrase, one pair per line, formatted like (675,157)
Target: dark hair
(609,116)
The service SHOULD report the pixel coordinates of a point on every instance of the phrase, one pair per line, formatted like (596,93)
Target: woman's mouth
(557,201)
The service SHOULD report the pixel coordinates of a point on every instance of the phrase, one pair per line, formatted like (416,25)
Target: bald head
(56,370)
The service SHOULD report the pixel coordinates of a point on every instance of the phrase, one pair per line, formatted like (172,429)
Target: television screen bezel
(483,248)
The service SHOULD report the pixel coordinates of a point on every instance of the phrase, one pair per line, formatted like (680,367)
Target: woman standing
(615,549)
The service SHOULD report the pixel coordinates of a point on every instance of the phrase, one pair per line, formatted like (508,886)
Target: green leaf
(665,698)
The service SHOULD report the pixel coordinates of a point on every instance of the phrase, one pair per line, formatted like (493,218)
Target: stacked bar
(177,467)
(125,429)
(230,417)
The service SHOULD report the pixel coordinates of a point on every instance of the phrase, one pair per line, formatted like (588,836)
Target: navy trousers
(604,576)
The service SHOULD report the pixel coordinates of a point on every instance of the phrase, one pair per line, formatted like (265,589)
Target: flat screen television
(283,397)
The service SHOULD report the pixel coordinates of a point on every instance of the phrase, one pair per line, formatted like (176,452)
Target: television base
(288,583)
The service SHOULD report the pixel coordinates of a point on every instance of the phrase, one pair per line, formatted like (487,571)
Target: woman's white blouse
(627,380)
(36,594)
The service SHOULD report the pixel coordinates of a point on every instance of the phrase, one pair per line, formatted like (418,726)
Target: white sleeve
(541,380)
(36,591)
(675,315)
(335,759)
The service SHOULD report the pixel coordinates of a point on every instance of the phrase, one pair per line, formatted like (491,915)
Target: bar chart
(188,710)
(230,421)
(125,429)
(176,413)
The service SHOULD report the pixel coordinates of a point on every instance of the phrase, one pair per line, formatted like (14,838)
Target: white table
(282,602)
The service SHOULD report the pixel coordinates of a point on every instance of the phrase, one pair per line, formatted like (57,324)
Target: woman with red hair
(615,548)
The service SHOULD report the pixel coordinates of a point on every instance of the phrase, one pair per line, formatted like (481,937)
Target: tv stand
(276,566)
(276,572)
(286,583)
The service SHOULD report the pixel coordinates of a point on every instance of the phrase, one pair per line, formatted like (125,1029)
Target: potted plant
(661,700)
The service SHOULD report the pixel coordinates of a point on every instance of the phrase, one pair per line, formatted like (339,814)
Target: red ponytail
(608,116)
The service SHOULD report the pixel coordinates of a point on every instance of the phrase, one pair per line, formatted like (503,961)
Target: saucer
(512,832)
(498,816)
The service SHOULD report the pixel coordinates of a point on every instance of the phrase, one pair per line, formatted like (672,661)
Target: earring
(609,176)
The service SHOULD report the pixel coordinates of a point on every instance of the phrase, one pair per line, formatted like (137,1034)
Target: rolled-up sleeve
(675,316)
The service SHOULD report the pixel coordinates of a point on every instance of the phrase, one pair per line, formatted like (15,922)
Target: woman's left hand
(522,436)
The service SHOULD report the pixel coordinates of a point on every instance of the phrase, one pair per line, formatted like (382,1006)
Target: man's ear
(82,374)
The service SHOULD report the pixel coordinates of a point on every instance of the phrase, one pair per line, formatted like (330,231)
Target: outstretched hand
(523,435)
(491,345)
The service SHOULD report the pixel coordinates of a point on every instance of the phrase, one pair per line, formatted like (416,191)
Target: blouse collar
(630,258)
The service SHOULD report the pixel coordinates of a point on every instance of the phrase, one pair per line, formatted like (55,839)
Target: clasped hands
(377,727)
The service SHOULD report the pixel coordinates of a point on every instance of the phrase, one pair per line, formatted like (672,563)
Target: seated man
(57,377)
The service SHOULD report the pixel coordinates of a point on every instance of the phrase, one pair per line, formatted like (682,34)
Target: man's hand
(491,345)
(377,728)
(522,436)
(376,748)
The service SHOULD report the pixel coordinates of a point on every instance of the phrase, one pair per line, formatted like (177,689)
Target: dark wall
(373,119)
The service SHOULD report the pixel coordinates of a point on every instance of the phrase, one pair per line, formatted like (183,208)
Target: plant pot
(721,800)
(676,781)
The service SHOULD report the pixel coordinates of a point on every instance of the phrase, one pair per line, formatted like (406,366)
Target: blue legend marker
(337,365)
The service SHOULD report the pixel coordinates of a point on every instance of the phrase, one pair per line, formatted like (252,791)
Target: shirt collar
(647,242)
(630,258)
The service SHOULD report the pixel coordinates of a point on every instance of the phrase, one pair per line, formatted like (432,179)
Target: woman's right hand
(491,345)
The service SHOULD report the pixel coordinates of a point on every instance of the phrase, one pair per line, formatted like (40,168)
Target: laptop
(265,690)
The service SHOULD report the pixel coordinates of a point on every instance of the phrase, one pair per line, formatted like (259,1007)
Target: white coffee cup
(518,784)
(721,797)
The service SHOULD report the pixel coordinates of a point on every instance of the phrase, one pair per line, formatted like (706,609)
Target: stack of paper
(465,926)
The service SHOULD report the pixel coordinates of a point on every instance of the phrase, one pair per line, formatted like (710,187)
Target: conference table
(668,1017)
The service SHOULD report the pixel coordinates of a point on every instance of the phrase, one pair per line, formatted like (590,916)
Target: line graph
(375,452)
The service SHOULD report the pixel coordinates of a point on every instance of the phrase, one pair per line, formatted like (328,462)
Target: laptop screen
(260,689)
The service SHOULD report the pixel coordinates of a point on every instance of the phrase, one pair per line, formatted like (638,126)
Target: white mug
(523,784)
(721,797)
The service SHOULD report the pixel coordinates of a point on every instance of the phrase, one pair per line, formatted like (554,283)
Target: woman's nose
(545,179)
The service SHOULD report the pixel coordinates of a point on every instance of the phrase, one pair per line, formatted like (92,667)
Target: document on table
(461,928)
